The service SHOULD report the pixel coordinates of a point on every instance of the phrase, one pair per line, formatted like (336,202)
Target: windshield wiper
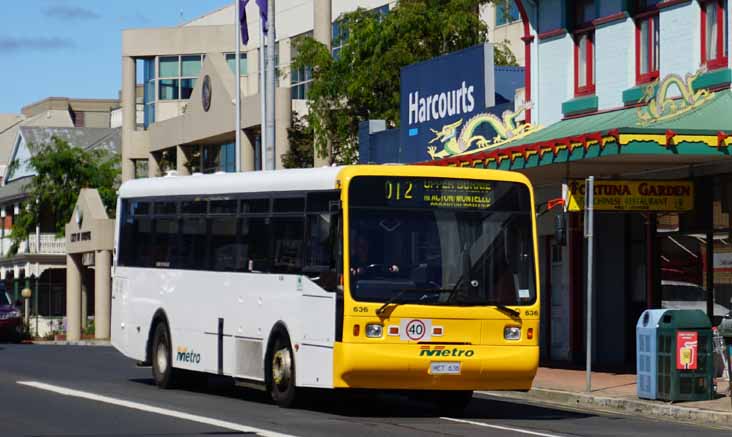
(393,299)
(510,311)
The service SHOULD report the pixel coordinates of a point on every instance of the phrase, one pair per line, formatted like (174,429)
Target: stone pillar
(84,299)
(322,22)
(129,115)
(102,293)
(247,152)
(322,33)
(283,120)
(73,298)
(153,169)
(181,160)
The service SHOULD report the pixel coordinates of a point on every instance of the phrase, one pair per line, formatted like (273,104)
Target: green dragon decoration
(659,106)
(468,142)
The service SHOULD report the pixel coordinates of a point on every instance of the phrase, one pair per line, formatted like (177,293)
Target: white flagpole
(271,79)
(263,100)
(237,80)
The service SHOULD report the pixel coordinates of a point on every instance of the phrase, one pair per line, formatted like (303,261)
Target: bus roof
(305,179)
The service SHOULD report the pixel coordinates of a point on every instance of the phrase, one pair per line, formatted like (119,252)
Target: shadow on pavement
(372,404)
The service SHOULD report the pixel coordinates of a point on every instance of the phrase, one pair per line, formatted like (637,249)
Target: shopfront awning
(662,132)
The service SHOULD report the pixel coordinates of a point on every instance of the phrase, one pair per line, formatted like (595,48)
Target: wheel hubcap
(282,367)
(162,357)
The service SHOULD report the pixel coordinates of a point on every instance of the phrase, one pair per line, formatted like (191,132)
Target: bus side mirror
(560,229)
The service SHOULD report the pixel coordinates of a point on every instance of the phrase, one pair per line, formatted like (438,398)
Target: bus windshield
(441,241)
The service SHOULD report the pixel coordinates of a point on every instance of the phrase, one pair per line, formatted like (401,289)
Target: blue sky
(72,48)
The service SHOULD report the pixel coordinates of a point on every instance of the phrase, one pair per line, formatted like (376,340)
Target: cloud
(62,12)
(9,44)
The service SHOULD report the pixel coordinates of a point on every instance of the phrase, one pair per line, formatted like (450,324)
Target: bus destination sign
(439,193)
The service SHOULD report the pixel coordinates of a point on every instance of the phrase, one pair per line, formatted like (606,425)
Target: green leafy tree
(61,171)
(362,82)
(300,136)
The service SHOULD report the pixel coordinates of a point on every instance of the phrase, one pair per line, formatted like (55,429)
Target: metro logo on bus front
(441,351)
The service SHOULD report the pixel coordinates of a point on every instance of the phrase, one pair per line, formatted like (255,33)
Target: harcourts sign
(443,91)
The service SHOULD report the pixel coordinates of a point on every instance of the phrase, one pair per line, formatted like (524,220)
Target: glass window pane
(319,245)
(186,88)
(191,66)
(255,238)
(169,66)
(164,248)
(168,89)
(255,206)
(231,61)
(222,206)
(165,208)
(287,236)
(197,206)
(582,59)
(644,29)
(656,44)
(289,204)
(711,42)
(192,247)
(225,253)
(320,202)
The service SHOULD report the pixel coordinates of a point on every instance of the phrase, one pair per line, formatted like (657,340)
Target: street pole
(263,100)
(272,151)
(589,227)
(237,80)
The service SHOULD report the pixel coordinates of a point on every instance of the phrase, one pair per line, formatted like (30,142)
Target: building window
(177,76)
(584,48)
(506,12)
(231,61)
(219,157)
(301,78)
(141,169)
(149,91)
(714,33)
(584,64)
(339,31)
(647,48)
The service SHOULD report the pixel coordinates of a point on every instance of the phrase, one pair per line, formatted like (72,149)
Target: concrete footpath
(616,393)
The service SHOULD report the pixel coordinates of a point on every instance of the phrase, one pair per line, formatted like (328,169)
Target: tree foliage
(61,171)
(300,136)
(362,82)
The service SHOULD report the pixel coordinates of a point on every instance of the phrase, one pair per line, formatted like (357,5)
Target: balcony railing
(43,244)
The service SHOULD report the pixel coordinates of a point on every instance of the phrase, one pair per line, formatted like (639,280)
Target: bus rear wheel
(164,374)
(282,373)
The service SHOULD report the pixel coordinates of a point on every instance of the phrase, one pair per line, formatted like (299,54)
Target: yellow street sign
(633,195)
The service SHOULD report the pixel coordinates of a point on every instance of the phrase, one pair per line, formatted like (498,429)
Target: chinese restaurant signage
(633,195)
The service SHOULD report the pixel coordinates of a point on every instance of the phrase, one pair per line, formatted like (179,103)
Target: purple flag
(243,21)
(263,13)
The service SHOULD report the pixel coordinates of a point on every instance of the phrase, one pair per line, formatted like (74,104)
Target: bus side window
(255,237)
(225,252)
(287,238)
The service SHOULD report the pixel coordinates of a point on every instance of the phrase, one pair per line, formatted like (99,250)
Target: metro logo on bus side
(185,356)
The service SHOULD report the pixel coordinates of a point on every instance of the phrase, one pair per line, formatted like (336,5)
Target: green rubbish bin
(685,361)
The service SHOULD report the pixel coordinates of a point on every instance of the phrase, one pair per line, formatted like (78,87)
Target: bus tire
(164,374)
(281,372)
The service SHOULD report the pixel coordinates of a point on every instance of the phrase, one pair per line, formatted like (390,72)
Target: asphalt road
(95,391)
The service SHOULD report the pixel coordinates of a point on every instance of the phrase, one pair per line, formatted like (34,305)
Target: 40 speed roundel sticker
(415,329)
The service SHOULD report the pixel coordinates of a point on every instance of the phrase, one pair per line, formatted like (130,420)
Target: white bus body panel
(250,305)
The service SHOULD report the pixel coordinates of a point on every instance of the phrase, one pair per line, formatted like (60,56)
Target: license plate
(444,368)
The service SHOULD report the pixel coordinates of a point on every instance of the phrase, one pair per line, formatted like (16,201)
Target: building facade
(178,132)
(634,94)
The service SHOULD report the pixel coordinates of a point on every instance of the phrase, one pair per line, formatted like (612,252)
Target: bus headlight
(512,333)
(374,330)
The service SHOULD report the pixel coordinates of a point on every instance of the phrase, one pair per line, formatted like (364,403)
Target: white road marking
(152,409)
(502,428)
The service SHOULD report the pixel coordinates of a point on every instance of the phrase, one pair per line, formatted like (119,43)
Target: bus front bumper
(410,366)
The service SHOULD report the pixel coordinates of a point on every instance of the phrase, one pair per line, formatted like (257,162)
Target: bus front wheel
(282,373)
(162,365)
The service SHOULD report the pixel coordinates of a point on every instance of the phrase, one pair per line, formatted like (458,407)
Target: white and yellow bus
(416,278)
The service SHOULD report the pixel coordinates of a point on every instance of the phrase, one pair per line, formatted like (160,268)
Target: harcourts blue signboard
(439,97)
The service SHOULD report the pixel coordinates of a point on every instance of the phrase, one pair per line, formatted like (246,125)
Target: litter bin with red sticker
(685,356)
